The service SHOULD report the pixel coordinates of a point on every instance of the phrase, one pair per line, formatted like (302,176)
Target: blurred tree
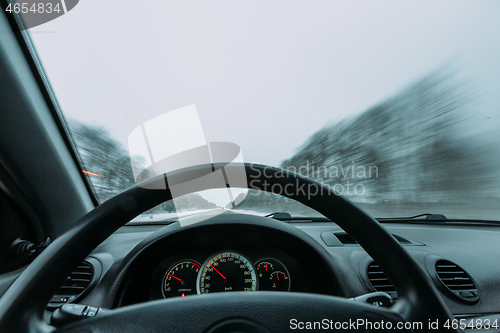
(416,139)
(103,156)
(109,168)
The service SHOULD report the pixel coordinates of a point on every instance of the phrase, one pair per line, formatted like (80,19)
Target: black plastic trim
(31,55)
(96,275)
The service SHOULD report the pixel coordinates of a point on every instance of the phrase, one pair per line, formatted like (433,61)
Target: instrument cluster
(223,271)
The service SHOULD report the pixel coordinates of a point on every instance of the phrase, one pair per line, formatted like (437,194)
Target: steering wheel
(22,306)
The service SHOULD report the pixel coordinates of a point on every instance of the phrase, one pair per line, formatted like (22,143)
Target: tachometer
(180,279)
(227,271)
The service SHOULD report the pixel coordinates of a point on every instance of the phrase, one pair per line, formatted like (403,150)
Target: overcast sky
(262,74)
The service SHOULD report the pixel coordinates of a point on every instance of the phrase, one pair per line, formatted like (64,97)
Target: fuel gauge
(273,275)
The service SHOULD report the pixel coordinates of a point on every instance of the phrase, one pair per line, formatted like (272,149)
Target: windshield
(392,104)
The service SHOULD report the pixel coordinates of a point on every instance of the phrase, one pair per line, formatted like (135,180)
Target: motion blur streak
(423,142)
(422,145)
(92,174)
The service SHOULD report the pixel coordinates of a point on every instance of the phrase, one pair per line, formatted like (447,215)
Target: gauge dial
(180,279)
(273,275)
(227,271)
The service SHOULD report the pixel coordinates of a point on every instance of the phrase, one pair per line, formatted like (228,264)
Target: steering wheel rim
(22,306)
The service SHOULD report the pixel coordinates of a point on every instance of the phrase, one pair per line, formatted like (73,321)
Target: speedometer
(227,271)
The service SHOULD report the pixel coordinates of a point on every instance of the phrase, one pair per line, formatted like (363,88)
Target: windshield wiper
(428,217)
(288,218)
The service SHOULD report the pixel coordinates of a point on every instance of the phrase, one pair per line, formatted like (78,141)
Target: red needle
(218,271)
(278,277)
(266,266)
(175,277)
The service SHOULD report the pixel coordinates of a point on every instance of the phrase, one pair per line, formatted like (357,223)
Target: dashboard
(251,253)
(231,256)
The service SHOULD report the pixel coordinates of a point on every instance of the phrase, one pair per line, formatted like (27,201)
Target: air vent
(379,281)
(78,284)
(457,281)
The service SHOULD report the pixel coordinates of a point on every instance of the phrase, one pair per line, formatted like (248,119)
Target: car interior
(71,262)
